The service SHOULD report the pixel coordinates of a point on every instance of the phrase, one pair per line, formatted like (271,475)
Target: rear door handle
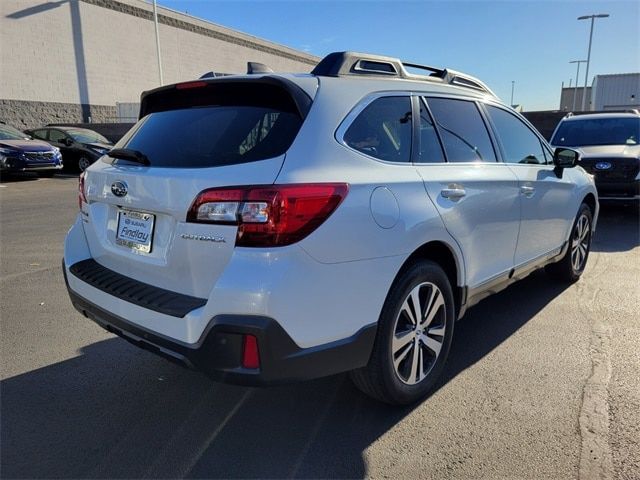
(453,193)
(527,191)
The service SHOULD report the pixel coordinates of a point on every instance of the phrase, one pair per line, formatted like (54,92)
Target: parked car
(20,153)
(80,147)
(297,226)
(610,150)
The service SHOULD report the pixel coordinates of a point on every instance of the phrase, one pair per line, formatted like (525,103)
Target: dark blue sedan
(20,153)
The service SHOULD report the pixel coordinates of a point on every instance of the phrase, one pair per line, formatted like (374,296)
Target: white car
(271,228)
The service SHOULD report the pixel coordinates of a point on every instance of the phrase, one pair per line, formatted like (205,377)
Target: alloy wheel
(580,243)
(83,163)
(419,333)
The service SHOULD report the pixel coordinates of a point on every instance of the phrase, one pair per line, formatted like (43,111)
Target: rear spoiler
(173,96)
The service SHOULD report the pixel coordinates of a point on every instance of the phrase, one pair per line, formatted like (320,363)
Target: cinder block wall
(66,60)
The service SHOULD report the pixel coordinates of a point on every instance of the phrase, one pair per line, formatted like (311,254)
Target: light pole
(155,22)
(586,76)
(513,82)
(575,89)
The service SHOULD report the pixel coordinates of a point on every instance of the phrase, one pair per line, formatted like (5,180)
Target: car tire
(84,163)
(408,356)
(570,267)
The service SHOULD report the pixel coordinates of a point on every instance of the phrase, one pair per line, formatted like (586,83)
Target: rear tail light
(269,215)
(188,85)
(82,198)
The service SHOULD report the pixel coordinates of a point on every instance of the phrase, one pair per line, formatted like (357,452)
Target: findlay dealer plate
(135,230)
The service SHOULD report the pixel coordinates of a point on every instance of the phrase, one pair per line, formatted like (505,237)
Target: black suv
(610,147)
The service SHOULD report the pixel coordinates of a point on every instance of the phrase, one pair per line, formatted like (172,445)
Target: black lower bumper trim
(133,291)
(218,353)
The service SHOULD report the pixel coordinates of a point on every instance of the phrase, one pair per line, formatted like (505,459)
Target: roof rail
(591,112)
(339,64)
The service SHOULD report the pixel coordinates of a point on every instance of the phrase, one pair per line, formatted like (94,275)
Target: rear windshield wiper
(128,154)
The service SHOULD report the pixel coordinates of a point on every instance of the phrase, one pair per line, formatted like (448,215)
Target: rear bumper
(218,352)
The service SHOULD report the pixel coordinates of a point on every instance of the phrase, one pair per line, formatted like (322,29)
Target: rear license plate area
(135,230)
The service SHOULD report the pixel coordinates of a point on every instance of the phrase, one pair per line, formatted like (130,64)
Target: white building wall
(81,52)
(616,92)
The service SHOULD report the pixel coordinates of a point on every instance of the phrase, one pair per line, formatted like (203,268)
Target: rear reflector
(82,199)
(269,215)
(250,355)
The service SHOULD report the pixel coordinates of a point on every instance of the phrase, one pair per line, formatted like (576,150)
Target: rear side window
(208,129)
(383,130)
(430,149)
(462,130)
(519,143)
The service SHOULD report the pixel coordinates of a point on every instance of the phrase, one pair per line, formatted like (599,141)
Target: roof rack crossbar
(339,64)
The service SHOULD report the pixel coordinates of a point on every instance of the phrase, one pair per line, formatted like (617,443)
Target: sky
(529,43)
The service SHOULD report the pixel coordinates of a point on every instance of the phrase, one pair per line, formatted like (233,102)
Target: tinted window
(519,143)
(42,134)
(462,130)
(430,149)
(383,130)
(598,131)
(213,135)
(56,135)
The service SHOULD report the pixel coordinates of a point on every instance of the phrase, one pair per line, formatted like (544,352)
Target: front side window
(383,130)
(519,143)
(463,132)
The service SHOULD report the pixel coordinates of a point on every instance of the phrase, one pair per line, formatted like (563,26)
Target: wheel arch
(591,202)
(447,258)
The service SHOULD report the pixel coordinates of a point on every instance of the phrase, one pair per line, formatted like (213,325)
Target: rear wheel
(570,268)
(84,163)
(414,336)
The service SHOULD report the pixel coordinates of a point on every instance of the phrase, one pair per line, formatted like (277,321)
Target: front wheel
(572,265)
(413,339)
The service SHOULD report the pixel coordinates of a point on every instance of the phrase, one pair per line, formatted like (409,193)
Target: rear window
(210,130)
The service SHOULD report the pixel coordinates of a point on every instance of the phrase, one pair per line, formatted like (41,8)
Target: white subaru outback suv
(268,228)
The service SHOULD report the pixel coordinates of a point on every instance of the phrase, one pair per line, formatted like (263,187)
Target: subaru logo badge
(119,189)
(603,166)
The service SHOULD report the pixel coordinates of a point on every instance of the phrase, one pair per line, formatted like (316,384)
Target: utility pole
(586,76)
(155,22)
(575,90)
(513,82)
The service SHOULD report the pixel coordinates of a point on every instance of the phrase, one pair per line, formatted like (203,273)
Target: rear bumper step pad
(133,291)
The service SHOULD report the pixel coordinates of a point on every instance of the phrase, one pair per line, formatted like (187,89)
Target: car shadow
(118,412)
(618,228)
(6,177)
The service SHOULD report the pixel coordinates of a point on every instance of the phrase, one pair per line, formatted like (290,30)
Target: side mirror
(564,158)
(67,141)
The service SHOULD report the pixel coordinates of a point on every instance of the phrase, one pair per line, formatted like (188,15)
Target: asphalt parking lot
(542,382)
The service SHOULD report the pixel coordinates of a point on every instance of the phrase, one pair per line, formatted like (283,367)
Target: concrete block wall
(99,52)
